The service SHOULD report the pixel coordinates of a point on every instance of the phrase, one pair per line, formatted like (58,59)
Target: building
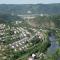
(30,58)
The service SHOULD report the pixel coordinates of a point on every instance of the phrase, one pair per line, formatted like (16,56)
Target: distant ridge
(34,8)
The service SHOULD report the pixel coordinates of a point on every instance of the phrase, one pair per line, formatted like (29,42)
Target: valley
(29,32)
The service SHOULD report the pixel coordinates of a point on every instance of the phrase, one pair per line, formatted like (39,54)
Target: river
(54,45)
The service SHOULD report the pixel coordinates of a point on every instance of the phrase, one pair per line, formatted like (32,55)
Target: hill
(5,18)
(34,8)
(45,21)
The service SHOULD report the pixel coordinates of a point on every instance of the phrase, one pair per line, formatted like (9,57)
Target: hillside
(46,22)
(38,22)
(5,18)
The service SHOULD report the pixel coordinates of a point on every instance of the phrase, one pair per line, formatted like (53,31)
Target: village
(18,38)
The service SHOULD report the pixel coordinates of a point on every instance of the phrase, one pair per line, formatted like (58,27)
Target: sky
(28,1)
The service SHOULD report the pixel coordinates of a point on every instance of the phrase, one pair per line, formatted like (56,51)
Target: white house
(30,58)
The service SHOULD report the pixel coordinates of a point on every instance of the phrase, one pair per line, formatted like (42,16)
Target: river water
(54,45)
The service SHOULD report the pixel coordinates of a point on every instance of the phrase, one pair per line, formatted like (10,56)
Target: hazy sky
(28,1)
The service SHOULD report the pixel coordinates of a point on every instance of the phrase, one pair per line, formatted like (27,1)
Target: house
(17,45)
(33,55)
(40,35)
(15,32)
(20,49)
(12,47)
(15,49)
(30,58)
